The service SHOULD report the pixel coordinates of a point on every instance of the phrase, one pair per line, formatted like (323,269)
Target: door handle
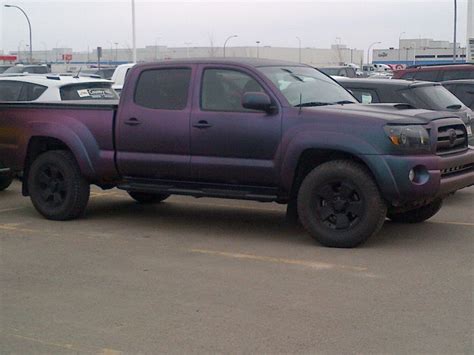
(132,122)
(202,124)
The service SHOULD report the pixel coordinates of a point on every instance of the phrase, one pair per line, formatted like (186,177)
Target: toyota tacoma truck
(251,129)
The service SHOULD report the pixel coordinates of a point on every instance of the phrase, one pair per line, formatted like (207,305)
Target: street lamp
(299,49)
(134,41)
(227,40)
(399,47)
(29,26)
(116,49)
(455,23)
(368,50)
(258,54)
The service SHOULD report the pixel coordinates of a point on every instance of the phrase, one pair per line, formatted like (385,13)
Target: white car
(52,88)
(119,75)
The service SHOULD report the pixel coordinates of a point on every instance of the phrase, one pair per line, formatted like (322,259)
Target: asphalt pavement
(220,276)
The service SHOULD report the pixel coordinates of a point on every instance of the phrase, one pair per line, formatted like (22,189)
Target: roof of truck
(254,62)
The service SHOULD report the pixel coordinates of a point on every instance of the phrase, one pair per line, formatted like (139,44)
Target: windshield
(305,86)
(433,97)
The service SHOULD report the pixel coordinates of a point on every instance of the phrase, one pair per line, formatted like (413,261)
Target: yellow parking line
(81,349)
(12,209)
(309,264)
(454,223)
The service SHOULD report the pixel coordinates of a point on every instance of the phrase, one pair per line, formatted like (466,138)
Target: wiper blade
(344,102)
(313,103)
(454,107)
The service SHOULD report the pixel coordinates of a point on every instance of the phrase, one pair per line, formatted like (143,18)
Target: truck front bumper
(404,179)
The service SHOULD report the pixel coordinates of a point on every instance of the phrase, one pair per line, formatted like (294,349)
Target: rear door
(153,124)
(231,144)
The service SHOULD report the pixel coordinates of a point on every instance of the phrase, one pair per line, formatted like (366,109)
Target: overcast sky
(79,24)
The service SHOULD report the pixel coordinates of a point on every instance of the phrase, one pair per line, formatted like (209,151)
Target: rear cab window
(457,74)
(163,89)
(427,75)
(365,96)
(88,91)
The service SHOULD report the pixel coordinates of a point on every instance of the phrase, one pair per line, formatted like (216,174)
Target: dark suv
(436,72)
(419,94)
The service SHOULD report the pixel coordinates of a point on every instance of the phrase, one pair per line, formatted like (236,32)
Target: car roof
(252,62)
(460,81)
(52,80)
(386,82)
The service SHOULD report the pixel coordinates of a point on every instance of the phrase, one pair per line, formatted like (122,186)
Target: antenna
(79,72)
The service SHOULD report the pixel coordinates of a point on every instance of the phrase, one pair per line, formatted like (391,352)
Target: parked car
(419,94)
(120,73)
(30,69)
(47,88)
(4,67)
(104,73)
(436,72)
(251,129)
(344,71)
(463,90)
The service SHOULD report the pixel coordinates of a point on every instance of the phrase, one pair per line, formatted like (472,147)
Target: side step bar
(254,193)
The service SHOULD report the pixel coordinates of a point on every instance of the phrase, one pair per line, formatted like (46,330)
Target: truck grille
(451,139)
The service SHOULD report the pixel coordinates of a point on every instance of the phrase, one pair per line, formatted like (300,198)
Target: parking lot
(204,275)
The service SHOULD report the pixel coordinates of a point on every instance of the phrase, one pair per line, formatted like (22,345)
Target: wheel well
(312,158)
(36,147)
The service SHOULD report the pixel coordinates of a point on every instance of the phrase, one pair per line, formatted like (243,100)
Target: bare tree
(212,50)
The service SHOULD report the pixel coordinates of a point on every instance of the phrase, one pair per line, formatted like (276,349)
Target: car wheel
(147,198)
(5,182)
(57,188)
(340,204)
(417,215)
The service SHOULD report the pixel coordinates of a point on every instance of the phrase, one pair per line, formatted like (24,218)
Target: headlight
(409,137)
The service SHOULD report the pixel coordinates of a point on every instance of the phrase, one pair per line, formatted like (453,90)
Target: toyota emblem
(452,137)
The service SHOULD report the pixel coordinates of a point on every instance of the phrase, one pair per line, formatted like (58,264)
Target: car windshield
(15,70)
(305,86)
(433,97)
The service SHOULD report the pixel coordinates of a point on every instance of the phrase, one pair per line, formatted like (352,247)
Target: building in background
(470,31)
(420,51)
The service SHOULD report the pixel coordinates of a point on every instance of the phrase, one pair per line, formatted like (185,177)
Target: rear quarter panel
(86,130)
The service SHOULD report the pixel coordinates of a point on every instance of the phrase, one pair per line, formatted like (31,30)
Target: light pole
(116,50)
(45,52)
(414,52)
(368,50)
(187,48)
(134,38)
(258,43)
(227,40)
(29,26)
(299,49)
(399,47)
(156,47)
(455,23)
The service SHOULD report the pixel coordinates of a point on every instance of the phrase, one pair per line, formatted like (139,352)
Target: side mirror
(257,101)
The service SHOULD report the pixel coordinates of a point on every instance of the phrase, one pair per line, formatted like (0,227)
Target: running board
(255,193)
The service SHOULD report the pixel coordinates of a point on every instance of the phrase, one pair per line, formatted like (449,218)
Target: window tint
(365,96)
(165,89)
(31,92)
(429,75)
(10,90)
(88,91)
(222,89)
(458,74)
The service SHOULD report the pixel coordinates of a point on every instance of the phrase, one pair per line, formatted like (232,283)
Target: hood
(390,113)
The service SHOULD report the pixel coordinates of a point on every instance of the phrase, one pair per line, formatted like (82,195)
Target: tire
(340,205)
(147,198)
(5,182)
(417,215)
(57,188)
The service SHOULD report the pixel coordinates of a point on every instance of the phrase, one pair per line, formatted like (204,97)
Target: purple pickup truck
(250,129)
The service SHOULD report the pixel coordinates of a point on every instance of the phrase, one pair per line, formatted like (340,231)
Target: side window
(458,74)
(10,90)
(465,93)
(31,92)
(163,89)
(366,96)
(429,75)
(222,90)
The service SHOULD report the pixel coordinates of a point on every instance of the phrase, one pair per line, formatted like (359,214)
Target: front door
(153,125)
(231,144)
